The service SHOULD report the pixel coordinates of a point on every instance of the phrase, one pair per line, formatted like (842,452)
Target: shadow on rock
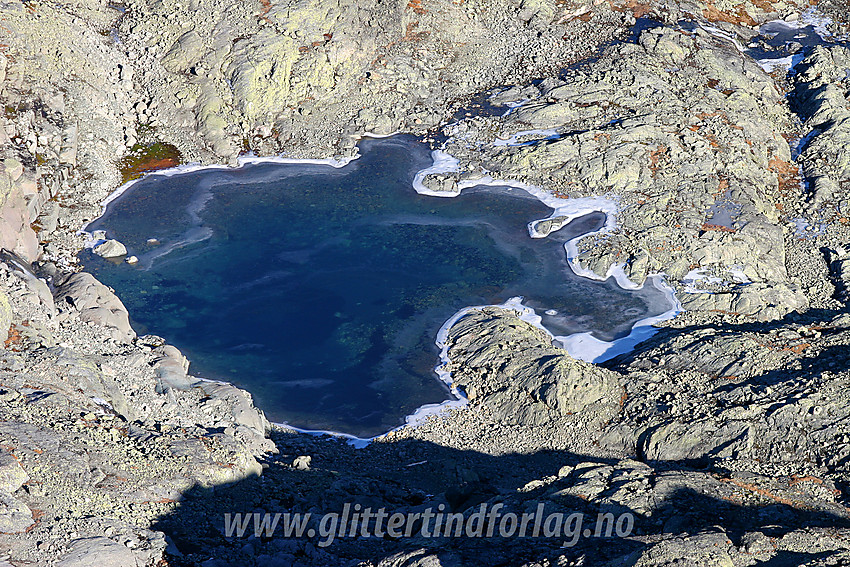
(671,511)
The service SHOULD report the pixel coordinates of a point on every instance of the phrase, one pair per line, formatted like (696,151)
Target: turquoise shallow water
(321,290)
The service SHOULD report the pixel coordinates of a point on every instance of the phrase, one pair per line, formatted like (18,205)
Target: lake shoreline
(722,435)
(582,346)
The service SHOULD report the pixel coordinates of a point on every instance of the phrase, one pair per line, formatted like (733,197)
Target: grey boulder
(110,249)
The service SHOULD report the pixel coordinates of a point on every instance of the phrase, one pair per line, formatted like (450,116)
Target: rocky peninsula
(724,436)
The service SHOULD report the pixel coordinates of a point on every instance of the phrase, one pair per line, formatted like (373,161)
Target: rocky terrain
(725,435)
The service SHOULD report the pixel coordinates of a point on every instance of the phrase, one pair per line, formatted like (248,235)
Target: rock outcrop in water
(724,435)
(110,249)
(482,349)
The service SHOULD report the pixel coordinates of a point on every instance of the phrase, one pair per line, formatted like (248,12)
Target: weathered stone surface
(6,317)
(823,102)
(12,476)
(171,369)
(16,235)
(498,360)
(184,52)
(710,550)
(250,422)
(672,147)
(692,441)
(82,372)
(97,552)
(96,303)
(15,517)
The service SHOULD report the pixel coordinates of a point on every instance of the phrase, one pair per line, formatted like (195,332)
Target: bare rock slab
(12,475)
(96,303)
(15,516)
(97,552)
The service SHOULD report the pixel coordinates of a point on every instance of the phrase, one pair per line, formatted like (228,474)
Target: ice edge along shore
(581,346)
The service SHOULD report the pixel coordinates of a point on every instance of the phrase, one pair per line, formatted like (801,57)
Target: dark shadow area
(411,476)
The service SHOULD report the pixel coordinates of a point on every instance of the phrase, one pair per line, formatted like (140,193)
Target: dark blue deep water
(321,290)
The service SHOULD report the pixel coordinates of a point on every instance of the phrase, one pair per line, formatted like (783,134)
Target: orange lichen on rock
(144,159)
(787,174)
(765,493)
(738,17)
(716,227)
(412,35)
(267,6)
(416,6)
(655,157)
(15,339)
(638,9)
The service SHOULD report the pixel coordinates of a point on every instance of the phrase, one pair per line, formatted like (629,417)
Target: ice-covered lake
(321,289)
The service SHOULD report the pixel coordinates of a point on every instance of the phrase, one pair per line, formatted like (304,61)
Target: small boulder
(302,463)
(12,476)
(97,552)
(110,249)
(171,369)
(15,516)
